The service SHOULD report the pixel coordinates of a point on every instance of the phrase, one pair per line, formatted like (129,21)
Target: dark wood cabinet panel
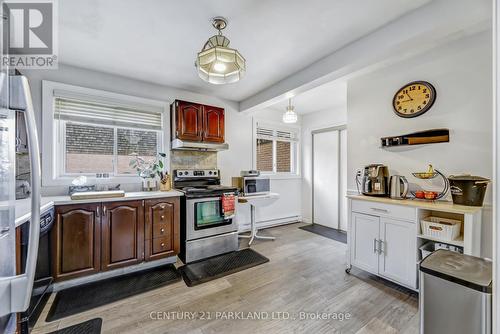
(197,122)
(122,226)
(89,238)
(76,238)
(162,237)
(213,124)
(189,121)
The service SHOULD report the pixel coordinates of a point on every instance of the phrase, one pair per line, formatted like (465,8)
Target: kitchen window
(97,132)
(276,149)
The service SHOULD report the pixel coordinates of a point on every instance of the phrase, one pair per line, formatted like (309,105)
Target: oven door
(205,217)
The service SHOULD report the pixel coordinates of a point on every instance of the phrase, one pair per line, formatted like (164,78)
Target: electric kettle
(398,187)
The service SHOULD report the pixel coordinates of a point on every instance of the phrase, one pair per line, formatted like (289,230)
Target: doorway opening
(329,178)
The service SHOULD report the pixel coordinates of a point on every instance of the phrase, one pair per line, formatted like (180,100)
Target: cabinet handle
(381,246)
(375,241)
(162,217)
(380,210)
(162,207)
(162,244)
(162,230)
(98,212)
(104,210)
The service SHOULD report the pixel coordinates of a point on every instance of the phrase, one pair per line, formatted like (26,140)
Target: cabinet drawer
(161,214)
(161,230)
(162,244)
(382,209)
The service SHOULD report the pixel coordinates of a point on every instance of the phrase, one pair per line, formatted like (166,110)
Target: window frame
(53,169)
(294,147)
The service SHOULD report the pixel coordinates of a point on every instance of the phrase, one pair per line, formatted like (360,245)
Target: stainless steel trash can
(455,294)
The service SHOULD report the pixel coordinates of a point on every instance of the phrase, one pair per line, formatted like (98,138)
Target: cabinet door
(76,238)
(122,234)
(162,228)
(189,122)
(213,124)
(398,257)
(364,238)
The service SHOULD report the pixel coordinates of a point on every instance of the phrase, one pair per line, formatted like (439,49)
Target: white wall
(238,130)
(462,74)
(310,122)
(239,134)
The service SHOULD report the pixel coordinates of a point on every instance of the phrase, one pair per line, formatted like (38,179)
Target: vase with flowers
(149,170)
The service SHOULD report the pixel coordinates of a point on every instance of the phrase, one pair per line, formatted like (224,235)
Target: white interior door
(326,154)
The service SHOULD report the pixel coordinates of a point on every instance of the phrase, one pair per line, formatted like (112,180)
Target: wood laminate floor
(305,274)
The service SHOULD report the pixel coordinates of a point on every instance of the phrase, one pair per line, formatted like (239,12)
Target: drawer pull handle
(162,244)
(162,230)
(162,217)
(380,210)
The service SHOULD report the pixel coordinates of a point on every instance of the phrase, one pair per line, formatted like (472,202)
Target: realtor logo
(28,34)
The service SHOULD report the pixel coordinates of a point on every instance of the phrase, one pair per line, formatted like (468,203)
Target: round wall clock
(414,99)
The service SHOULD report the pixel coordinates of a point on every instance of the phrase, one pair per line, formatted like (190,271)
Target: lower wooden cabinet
(76,241)
(89,238)
(162,237)
(122,233)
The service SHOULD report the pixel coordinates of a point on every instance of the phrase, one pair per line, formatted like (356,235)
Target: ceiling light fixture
(290,116)
(216,62)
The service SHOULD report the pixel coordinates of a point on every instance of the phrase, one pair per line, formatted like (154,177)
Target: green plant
(149,169)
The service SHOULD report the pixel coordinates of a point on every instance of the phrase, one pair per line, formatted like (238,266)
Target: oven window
(209,214)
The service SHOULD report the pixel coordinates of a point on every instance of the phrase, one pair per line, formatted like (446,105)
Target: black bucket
(468,190)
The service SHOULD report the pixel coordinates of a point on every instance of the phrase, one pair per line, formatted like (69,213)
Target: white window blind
(71,107)
(270,133)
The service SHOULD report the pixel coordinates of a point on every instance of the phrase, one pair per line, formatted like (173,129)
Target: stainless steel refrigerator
(15,290)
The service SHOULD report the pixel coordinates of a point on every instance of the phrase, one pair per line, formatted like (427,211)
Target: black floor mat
(326,232)
(88,296)
(93,326)
(221,265)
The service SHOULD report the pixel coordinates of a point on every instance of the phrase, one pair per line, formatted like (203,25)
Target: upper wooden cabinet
(213,124)
(76,238)
(197,122)
(122,233)
(189,121)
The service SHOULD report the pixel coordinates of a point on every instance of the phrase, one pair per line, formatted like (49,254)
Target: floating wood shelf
(418,138)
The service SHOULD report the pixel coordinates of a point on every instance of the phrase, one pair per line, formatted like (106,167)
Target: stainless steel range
(208,227)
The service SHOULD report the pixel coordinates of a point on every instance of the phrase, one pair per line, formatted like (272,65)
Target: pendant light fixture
(216,62)
(290,116)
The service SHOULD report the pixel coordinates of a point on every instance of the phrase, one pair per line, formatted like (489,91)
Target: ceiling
(157,40)
(326,97)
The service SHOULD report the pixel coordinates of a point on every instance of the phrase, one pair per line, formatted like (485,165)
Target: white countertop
(446,206)
(23,206)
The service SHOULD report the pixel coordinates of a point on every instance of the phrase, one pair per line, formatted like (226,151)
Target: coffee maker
(375,180)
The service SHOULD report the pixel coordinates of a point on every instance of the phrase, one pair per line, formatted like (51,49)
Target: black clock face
(414,99)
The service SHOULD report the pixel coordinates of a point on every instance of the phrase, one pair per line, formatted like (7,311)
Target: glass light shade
(290,116)
(219,64)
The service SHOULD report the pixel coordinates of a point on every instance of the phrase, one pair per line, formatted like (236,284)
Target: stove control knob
(210,173)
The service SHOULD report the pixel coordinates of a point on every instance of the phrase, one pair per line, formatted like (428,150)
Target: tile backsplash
(193,160)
